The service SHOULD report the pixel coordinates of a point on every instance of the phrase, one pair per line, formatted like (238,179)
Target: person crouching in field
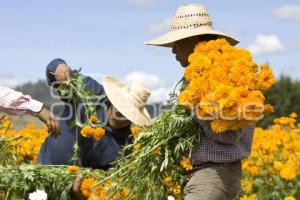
(125,105)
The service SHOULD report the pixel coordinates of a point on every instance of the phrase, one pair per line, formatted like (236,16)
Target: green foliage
(16,181)
(284,96)
(272,187)
(77,93)
(162,146)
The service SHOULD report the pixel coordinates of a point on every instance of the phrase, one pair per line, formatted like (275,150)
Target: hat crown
(140,93)
(191,16)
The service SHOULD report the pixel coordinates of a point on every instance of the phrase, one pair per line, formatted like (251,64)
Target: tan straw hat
(190,20)
(129,100)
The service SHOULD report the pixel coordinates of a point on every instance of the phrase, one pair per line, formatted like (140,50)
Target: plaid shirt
(229,146)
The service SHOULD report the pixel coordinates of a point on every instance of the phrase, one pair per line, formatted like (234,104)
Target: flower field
(271,172)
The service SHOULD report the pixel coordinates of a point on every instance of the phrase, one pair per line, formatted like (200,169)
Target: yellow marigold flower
(186,164)
(73,169)
(250,197)
(247,185)
(135,131)
(167,181)
(176,190)
(278,165)
(293,115)
(7,123)
(266,77)
(86,186)
(289,198)
(93,119)
(137,147)
(288,173)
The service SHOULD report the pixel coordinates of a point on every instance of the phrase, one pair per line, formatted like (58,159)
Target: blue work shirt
(93,153)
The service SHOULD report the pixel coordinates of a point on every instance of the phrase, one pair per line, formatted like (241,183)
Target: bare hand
(51,121)
(76,188)
(62,72)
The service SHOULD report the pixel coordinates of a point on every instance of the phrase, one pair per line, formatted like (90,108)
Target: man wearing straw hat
(217,158)
(123,105)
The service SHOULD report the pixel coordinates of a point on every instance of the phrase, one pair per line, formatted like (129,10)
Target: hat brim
(169,39)
(117,94)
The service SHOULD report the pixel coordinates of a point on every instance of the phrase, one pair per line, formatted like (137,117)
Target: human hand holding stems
(50,120)
(62,72)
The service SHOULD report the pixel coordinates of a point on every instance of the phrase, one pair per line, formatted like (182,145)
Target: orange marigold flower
(221,78)
(186,164)
(98,133)
(73,169)
(86,186)
(93,119)
(87,131)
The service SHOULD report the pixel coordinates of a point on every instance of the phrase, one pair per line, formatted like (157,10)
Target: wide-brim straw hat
(190,20)
(129,100)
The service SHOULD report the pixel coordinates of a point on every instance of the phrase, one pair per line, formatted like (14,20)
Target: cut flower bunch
(226,86)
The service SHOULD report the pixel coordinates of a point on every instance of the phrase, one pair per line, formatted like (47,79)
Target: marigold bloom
(86,186)
(293,115)
(186,164)
(278,165)
(86,131)
(289,198)
(93,119)
(224,80)
(135,131)
(167,181)
(288,173)
(73,169)
(98,133)
(250,197)
(137,147)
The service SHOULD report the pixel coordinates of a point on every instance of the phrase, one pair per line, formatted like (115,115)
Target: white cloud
(161,26)
(287,12)
(266,44)
(159,90)
(142,2)
(8,80)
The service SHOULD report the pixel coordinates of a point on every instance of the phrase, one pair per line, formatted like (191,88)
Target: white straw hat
(129,100)
(190,20)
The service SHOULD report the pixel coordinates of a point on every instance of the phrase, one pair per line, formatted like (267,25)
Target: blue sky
(107,37)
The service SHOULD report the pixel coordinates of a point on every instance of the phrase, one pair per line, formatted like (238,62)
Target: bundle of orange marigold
(225,85)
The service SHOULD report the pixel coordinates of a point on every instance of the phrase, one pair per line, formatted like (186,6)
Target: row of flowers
(271,172)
